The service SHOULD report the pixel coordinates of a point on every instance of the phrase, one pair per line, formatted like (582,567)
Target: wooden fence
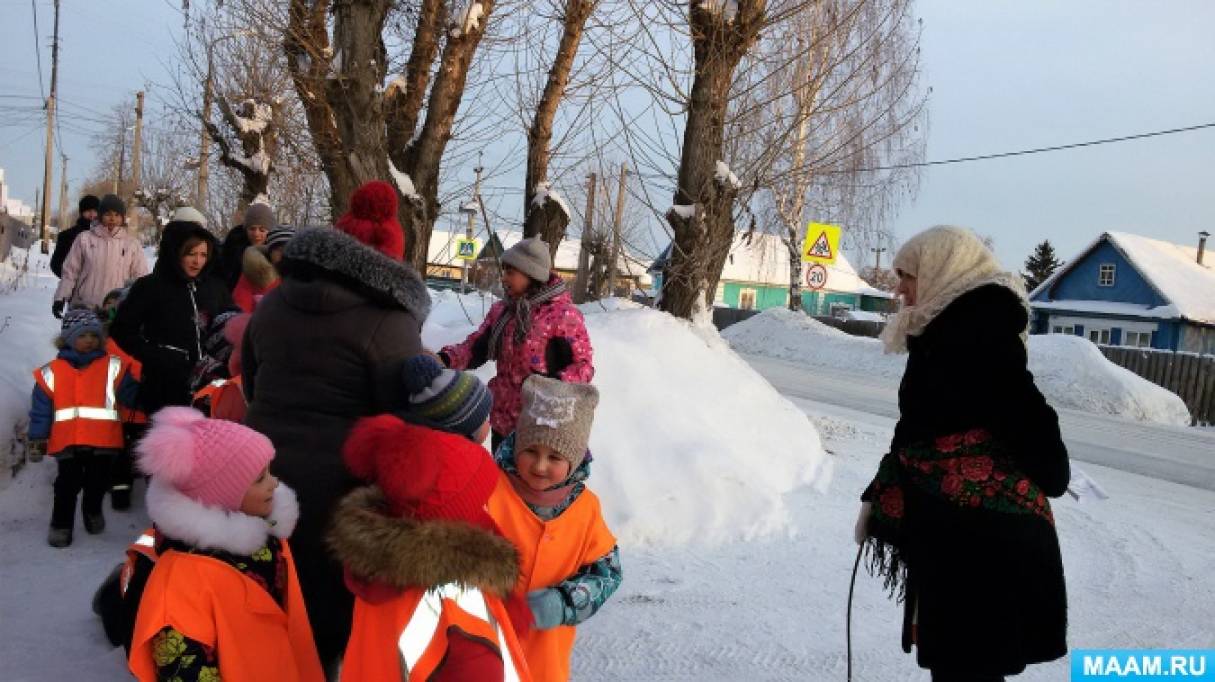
(1188,375)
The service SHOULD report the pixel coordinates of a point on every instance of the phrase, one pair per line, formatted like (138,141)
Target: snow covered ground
(1070,371)
(765,600)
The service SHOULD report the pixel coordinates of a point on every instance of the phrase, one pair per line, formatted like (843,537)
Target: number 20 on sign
(822,243)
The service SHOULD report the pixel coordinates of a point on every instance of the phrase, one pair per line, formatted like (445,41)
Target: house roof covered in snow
(1171,269)
(442,251)
(764,259)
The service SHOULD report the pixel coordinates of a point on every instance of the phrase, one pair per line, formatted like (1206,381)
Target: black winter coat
(327,347)
(986,589)
(160,320)
(231,256)
(63,244)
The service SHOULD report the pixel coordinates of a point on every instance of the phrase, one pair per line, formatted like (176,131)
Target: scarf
(968,470)
(520,309)
(946,262)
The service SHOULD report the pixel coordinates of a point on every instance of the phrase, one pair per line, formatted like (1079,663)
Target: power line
(1024,152)
(37,50)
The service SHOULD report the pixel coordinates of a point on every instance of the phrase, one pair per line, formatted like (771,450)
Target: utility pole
(63,197)
(471,210)
(50,135)
(137,145)
(616,225)
(122,157)
(877,264)
(584,251)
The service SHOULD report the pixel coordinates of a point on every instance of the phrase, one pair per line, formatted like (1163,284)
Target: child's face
(111,219)
(257,234)
(541,467)
(259,498)
(514,283)
(86,343)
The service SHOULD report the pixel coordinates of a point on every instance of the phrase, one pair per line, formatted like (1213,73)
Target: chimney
(1202,244)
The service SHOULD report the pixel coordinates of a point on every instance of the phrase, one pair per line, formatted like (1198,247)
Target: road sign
(822,243)
(816,276)
(466,249)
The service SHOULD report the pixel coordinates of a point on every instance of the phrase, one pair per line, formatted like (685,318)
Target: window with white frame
(1064,329)
(1137,339)
(1100,337)
(1105,275)
(720,297)
(746,299)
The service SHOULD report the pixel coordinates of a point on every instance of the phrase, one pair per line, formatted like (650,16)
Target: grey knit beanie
(531,257)
(558,415)
(260,214)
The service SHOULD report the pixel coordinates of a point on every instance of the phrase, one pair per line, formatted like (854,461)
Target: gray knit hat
(531,257)
(558,415)
(260,214)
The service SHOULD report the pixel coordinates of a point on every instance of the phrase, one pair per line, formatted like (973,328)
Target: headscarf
(946,262)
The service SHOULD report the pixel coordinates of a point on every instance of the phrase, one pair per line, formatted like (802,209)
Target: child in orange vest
(223,601)
(570,562)
(431,574)
(75,405)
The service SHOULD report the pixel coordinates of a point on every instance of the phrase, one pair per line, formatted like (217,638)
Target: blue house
(1129,290)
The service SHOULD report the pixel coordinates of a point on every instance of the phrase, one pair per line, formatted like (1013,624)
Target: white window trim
(1127,333)
(1113,269)
(1103,323)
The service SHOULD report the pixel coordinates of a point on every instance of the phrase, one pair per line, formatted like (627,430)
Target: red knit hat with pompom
(372,219)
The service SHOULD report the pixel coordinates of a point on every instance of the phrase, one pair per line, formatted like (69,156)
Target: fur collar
(404,552)
(198,525)
(257,268)
(359,266)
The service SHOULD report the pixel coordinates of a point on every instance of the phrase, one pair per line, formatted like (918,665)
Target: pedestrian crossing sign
(466,249)
(822,243)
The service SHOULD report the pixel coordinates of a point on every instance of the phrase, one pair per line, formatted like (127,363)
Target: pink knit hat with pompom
(212,461)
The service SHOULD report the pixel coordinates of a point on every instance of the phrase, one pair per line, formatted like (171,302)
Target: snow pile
(685,211)
(256,116)
(863,316)
(724,175)
(545,192)
(1069,370)
(403,182)
(469,21)
(690,443)
(1073,373)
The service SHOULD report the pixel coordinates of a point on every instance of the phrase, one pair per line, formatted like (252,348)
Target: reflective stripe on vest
(107,413)
(48,375)
(425,621)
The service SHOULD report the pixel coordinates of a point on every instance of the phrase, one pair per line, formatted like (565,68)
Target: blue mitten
(548,608)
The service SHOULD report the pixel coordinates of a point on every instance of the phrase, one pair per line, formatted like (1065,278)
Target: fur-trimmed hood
(257,268)
(182,518)
(337,256)
(401,552)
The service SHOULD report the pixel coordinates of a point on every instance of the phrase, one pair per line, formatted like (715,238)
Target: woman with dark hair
(161,321)
(957,518)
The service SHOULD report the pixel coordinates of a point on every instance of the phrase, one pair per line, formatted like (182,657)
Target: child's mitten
(548,608)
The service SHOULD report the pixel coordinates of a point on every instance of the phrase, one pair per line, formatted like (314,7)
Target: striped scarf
(520,309)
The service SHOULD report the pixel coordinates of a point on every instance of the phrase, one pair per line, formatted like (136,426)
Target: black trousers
(122,471)
(80,469)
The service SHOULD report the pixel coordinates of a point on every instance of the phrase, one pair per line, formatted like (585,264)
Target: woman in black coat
(161,321)
(957,518)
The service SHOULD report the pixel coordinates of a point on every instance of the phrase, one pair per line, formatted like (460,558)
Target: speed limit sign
(816,276)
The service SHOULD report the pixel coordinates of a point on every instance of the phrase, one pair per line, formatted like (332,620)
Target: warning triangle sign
(821,248)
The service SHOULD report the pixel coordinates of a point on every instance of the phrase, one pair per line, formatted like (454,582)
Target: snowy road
(1177,454)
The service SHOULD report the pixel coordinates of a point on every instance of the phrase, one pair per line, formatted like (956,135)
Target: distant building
(756,277)
(1130,290)
(15,208)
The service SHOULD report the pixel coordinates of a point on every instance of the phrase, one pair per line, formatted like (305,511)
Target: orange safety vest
(85,402)
(129,415)
(549,552)
(145,546)
(411,629)
(212,603)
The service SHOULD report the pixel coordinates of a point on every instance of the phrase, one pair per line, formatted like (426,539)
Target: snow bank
(1069,370)
(685,211)
(724,175)
(690,443)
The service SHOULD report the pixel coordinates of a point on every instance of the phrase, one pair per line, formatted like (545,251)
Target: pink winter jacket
(98,263)
(558,337)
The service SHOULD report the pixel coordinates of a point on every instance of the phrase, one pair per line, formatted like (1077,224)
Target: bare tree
(165,180)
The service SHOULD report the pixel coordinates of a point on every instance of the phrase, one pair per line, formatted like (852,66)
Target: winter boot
(94,523)
(59,537)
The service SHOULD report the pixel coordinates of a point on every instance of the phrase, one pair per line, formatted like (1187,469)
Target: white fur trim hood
(192,522)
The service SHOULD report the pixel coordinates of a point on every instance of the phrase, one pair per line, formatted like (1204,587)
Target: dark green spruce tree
(1040,265)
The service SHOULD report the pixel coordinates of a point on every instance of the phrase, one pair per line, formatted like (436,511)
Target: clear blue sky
(1005,76)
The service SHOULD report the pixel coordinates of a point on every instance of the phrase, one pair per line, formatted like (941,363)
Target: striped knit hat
(448,400)
(279,236)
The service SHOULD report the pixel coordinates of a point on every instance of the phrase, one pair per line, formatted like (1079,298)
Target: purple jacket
(99,263)
(557,346)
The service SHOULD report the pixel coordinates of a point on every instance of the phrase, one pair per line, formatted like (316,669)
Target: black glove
(57,309)
(36,450)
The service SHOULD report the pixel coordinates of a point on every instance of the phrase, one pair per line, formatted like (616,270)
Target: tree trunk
(547,220)
(795,270)
(703,238)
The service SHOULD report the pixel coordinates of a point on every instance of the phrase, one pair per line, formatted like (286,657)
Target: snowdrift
(1069,370)
(690,443)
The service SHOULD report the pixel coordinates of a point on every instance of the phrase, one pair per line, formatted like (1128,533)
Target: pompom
(375,201)
(370,437)
(169,449)
(419,372)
